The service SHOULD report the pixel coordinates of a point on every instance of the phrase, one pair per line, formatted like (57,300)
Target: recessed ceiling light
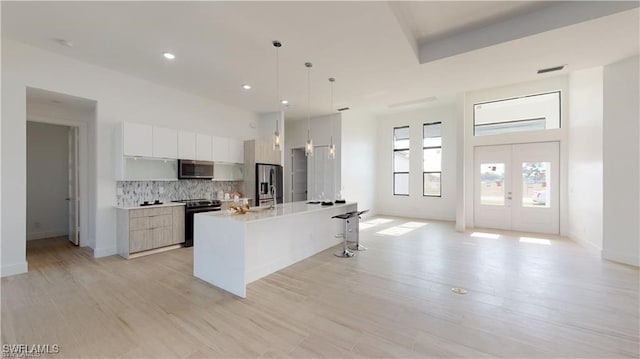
(168,55)
(246,87)
(284,102)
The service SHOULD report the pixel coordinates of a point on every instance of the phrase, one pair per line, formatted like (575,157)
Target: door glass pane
(401,161)
(401,183)
(535,184)
(431,184)
(492,184)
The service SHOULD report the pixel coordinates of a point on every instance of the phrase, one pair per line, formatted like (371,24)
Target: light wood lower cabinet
(146,229)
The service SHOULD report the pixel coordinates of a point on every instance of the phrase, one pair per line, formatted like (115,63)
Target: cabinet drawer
(157,211)
(147,212)
(140,240)
(160,221)
(138,223)
(162,237)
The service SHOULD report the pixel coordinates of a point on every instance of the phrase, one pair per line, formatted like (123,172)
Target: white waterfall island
(231,251)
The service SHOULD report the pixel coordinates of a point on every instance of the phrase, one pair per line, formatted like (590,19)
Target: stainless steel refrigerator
(268,184)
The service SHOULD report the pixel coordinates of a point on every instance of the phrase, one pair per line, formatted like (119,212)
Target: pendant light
(332,147)
(276,134)
(308,147)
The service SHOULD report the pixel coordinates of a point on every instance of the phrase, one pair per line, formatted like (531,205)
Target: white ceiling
(369,47)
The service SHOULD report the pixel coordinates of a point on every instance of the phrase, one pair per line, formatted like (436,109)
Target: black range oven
(193,206)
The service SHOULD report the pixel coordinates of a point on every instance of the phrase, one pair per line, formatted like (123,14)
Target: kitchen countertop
(280,210)
(138,206)
(231,199)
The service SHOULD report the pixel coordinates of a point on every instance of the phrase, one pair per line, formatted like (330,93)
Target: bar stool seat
(345,252)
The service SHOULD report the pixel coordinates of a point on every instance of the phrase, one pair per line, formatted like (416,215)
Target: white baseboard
(624,258)
(47,234)
(589,246)
(13,269)
(104,252)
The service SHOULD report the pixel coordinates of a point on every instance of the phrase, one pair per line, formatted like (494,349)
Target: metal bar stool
(355,242)
(346,217)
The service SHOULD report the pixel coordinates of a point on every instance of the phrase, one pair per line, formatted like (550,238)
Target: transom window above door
(521,114)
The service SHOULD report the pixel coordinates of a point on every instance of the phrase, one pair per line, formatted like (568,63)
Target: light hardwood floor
(393,300)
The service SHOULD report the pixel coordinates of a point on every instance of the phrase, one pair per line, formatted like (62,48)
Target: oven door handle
(201,210)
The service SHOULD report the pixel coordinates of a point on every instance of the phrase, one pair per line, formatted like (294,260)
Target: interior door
(73,198)
(517,187)
(298,175)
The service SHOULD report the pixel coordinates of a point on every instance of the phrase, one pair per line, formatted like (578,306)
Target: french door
(517,187)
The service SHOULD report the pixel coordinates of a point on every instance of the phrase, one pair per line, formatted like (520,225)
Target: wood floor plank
(393,300)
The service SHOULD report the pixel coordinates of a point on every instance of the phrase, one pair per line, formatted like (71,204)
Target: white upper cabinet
(236,151)
(137,139)
(186,145)
(204,150)
(220,149)
(165,143)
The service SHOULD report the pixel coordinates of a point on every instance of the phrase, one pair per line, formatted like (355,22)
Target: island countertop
(231,251)
(280,210)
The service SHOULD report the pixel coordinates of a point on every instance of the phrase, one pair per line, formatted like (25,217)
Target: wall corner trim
(624,258)
(105,252)
(13,269)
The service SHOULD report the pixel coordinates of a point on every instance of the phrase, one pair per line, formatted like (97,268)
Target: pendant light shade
(308,147)
(276,138)
(276,134)
(332,147)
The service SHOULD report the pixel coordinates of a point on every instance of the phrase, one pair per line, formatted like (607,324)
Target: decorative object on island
(276,135)
(239,208)
(332,147)
(308,147)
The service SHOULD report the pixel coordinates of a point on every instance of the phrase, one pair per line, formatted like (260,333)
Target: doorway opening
(57,175)
(517,187)
(298,175)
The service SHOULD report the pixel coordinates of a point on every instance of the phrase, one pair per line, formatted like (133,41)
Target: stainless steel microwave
(189,169)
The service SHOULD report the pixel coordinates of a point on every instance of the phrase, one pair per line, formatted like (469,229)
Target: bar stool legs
(344,252)
(355,245)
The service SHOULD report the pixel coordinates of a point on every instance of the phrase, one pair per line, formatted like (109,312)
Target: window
(401,161)
(528,113)
(432,159)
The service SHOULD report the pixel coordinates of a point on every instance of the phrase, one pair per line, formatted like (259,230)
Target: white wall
(621,162)
(47,180)
(359,160)
(321,130)
(416,205)
(585,158)
(546,84)
(120,98)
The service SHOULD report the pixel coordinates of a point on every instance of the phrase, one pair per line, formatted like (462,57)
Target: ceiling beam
(545,19)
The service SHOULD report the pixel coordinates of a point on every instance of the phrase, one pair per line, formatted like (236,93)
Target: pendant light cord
(308,65)
(331,81)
